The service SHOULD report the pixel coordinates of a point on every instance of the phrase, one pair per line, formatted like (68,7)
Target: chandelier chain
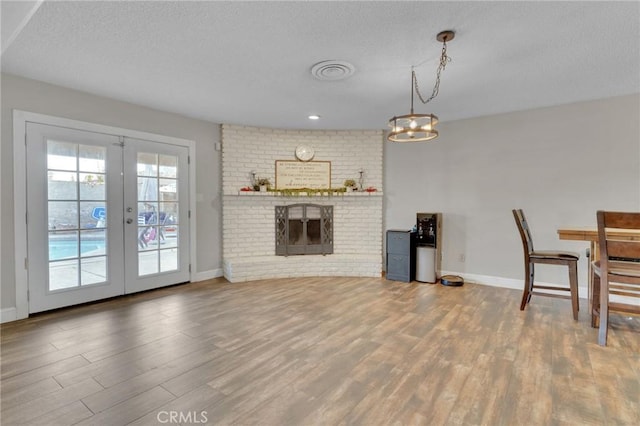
(444,59)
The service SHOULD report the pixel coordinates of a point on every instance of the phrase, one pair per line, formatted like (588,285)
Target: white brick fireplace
(249,217)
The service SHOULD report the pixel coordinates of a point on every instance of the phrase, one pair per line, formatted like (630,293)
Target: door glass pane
(169,189)
(147,164)
(62,185)
(148,262)
(63,245)
(169,213)
(63,274)
(148,238)
(84,252)
(93,214)
(63,215)
(144,236)
(93,270)
(168,166)
(168,260)
(62,155)
(93,243)
(92,186)
(147,189)
(92,159)
(157,213)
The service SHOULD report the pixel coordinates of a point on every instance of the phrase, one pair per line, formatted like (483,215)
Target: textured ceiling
(249,62)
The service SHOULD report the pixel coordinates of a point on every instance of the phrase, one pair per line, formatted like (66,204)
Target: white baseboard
(8,314)
(207,275)
(505,282)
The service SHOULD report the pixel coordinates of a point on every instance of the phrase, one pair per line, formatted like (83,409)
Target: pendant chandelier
(420,127)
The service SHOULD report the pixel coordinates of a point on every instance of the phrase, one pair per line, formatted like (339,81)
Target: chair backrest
(523,228)
(616,243)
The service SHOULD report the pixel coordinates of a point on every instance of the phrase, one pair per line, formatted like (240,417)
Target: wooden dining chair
(531,257)
(617,272)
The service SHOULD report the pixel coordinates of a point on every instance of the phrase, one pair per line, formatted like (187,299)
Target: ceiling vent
(332,70)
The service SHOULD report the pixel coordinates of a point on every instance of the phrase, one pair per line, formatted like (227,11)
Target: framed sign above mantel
(299,174)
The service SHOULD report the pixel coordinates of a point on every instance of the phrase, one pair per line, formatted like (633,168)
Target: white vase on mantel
(263,188)
(349,188)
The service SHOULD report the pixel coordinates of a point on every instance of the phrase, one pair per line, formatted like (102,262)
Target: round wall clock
(304,153)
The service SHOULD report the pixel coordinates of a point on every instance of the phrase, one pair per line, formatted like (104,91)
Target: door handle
(129,220)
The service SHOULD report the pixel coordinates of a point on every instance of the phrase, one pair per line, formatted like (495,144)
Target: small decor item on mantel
(371,189)
(350,184)
(263,184)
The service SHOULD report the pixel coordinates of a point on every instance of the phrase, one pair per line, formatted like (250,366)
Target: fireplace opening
(304,229)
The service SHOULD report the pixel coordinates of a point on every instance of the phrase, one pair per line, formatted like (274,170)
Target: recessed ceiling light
(314,117)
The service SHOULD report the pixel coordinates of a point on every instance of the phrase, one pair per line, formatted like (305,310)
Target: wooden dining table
(590,234)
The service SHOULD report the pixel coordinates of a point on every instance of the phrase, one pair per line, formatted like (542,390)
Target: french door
(156,215)
(107,215)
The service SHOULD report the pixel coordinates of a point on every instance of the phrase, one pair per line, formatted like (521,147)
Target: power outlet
(461,257)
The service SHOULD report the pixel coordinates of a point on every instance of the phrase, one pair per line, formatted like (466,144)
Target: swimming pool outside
(64,249)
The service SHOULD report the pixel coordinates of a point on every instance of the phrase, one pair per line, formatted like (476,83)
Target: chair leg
(604,311)
(528,284)
(531,280)
(595,299)
(573,285)
(529,276)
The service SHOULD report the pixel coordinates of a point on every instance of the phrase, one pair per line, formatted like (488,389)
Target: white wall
(559,164)
(33,96)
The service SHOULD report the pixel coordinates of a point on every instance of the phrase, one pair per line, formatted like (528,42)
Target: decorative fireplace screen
(304,229)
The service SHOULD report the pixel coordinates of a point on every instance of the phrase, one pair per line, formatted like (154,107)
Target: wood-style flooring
(320,351)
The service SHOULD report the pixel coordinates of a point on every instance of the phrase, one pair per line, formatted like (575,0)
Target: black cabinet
(401,255)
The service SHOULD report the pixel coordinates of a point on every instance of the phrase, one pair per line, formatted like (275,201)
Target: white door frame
(20,119)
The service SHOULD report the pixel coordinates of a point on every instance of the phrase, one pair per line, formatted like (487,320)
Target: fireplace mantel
(304,195)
